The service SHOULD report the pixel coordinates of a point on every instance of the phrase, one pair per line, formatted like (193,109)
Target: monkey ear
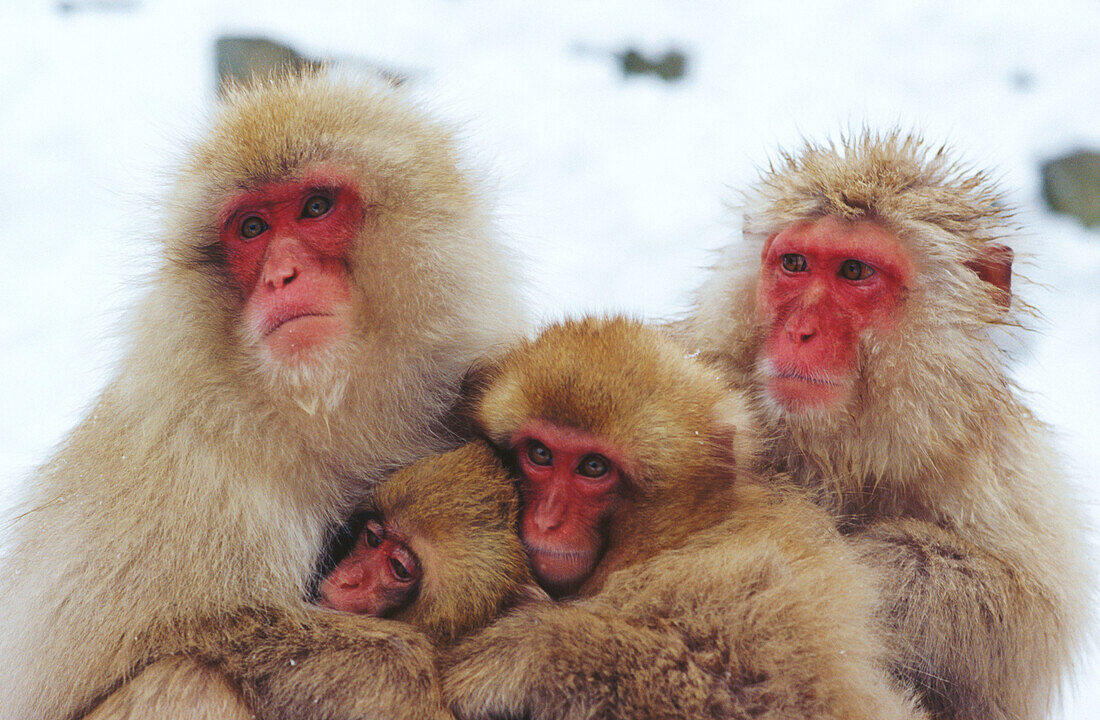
(993,264)
(475,381)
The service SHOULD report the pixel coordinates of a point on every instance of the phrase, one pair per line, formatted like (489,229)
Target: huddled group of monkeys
(336,477)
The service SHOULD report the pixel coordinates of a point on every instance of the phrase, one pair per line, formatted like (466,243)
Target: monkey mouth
(560,567)
(280,319)
(796,390)
(792,375)
(773,372)
(579,555)
(297,334)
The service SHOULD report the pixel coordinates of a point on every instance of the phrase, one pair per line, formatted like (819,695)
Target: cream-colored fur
(163,688)
(203,482)
(941,478)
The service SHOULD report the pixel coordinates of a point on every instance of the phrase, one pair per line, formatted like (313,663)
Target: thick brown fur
(459,511)
(943,481)
(716,597)
(186,511)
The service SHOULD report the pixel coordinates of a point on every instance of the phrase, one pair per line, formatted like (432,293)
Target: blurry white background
(612,188)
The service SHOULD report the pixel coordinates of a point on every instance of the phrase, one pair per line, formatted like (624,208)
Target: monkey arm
(735,630)
(163,687)
(569,661)
(322,665)
(968,626)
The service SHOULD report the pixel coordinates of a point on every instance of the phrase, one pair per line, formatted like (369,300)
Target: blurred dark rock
(1071,185)
(1021,80)
(69,6)
(241,58)
(669,67)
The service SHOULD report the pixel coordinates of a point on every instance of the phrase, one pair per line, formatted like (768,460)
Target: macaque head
(437,546)
(856,247)
(615,436)
(333,239)
(380,575)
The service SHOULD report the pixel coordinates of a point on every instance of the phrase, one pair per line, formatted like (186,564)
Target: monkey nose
(280,277)
(281,266)
(547,519)
(801,333)
(351,577)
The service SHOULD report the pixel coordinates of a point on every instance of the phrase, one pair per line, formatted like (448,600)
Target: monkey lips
(291,334)
(560,568)
(802,390)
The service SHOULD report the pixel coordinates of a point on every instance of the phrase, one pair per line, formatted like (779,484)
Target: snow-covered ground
(613,189)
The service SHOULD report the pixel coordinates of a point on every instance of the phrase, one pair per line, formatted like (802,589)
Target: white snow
(613,189)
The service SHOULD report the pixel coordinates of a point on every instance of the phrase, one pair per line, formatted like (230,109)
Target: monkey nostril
(280,279)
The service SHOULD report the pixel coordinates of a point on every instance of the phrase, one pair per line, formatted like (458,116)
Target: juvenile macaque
(702,593)
(437,547)
(329,275)
(859,308)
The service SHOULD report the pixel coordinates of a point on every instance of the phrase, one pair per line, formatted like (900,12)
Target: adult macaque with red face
(860,306)
(697,591)
(437,547)
(329,274)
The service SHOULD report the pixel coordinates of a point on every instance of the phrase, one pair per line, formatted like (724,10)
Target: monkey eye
(316,206)
(374,532)
(400,570)
(539,453)
(855,270)
(793,262)
(404,567)
(252,226)
(593,466)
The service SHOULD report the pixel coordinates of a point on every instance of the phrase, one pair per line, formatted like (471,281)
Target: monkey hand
(530,594)
(329,666)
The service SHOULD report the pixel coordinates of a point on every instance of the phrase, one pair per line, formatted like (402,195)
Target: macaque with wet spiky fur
(697,592)
(860,306)
(329,275)
(437,547)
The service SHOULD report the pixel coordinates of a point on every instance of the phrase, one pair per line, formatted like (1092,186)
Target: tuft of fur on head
(460,511)
(940,207)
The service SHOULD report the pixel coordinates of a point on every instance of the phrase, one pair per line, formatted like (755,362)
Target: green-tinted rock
(1071,185)
(670,66)
(242,58)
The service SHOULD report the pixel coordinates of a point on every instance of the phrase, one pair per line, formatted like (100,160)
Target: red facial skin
(841,279)
(293,272)
(564,510)
(379,576)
